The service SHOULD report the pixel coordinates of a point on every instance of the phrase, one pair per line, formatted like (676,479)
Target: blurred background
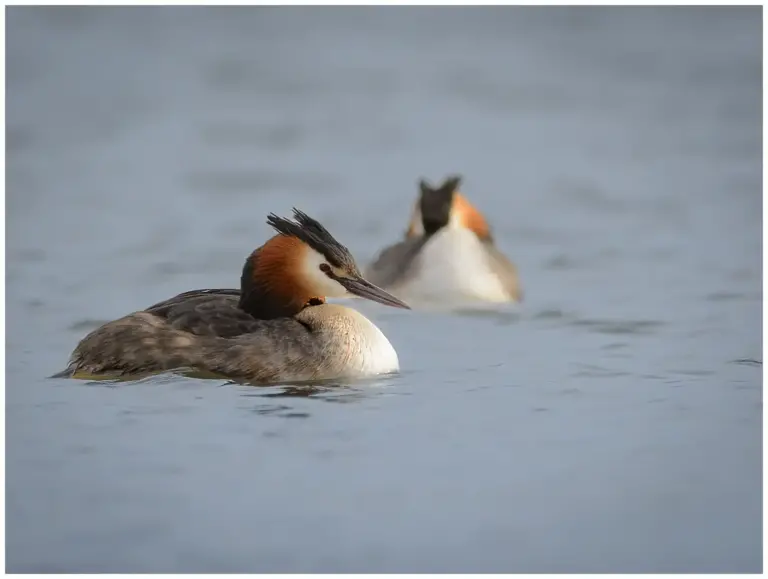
(611,423)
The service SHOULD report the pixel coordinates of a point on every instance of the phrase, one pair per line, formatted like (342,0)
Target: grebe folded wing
(193,294)
(207,313)
(208,336)
(505,270)
(393,263)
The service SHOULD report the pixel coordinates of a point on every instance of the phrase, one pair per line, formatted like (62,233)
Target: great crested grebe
(276,328)
(448,254)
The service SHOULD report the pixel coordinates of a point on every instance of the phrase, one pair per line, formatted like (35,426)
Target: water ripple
(747,362)
(594,371)
(638,327)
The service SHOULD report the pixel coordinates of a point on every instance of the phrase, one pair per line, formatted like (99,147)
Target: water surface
(612,423)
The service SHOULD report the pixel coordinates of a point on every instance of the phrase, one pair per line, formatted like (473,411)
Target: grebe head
(445,206)
(301,266)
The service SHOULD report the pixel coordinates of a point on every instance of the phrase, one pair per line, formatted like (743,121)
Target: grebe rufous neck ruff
(448,254)
(276,328)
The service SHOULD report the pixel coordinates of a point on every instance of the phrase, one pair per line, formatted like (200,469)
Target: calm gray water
(611,423)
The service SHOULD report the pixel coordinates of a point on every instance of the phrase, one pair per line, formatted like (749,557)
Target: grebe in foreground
(276,328)
(448,254)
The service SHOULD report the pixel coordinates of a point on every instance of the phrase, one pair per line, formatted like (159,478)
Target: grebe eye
(325,268)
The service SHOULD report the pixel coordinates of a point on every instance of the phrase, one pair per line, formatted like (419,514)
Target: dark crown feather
(311,232)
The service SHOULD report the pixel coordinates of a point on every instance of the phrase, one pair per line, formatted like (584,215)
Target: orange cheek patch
(277,268)
(470,217)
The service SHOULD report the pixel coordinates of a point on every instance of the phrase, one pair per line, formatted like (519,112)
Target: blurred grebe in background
(448,254)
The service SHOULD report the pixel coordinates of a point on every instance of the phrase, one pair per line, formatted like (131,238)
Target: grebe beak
(365,289)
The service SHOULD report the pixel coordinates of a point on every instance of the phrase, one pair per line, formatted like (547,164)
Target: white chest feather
(452,266)
(372,351)
(356,346)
